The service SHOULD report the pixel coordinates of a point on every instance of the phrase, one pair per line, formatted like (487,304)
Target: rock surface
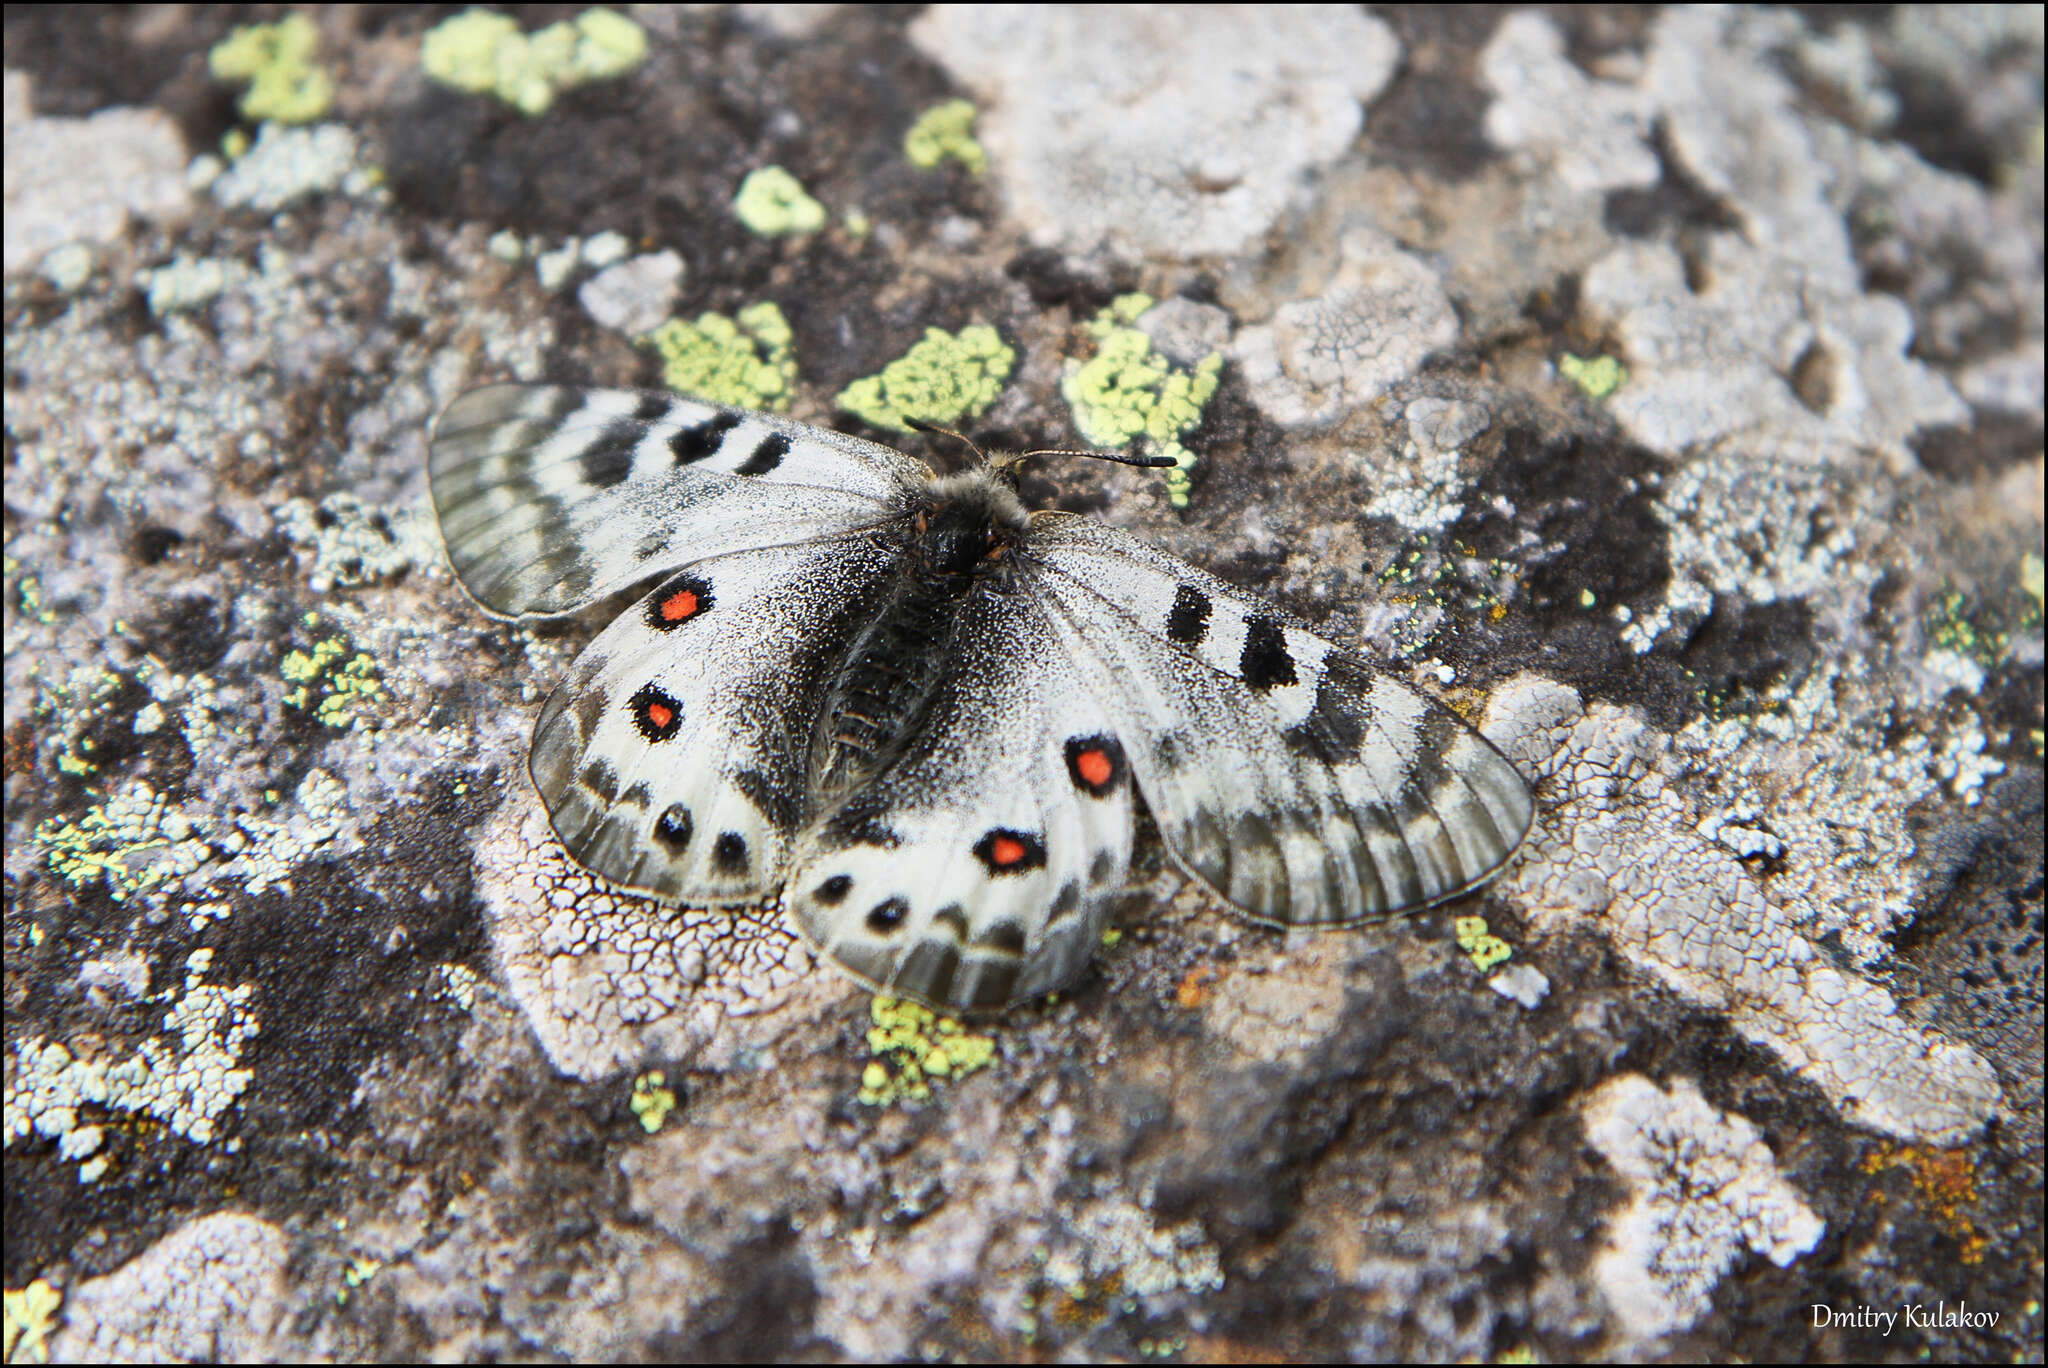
(1661,387)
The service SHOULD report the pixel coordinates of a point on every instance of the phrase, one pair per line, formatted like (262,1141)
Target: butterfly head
(969,521)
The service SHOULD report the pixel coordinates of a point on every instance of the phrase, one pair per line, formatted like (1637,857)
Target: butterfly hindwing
(673,757)
(981,869)
(1297,781)
(551,497)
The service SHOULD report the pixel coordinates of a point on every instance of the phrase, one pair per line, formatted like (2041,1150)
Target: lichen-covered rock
(1662,390)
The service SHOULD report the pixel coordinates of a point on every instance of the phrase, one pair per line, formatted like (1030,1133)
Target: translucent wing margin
(552,497)
(1297,781)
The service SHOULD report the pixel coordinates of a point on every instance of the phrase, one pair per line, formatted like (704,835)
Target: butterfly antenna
(920,425)
(1148,462)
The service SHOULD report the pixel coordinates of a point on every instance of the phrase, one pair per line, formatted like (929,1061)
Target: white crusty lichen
(1367,329)
(1703,1190)
(1594,135)
(608,978)
(1618,842)
(1762,350)
(287,164)
(1120,1240)
(210,1291)
(1421,485)
(1182,132)
(186,1082)
(354,544)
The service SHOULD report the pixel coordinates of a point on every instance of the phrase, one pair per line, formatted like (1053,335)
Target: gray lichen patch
(212,1289)
(608,978)
(1617,845)
(1183,133)
(1704,1190)
(1369,328)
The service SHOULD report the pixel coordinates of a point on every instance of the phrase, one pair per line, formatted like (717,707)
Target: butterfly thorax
(956,541)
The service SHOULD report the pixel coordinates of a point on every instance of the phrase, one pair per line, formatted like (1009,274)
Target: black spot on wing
(1004,851)
(698,440)
(767,455)
(1334,730)
(1095,764)
(609,459)
(729,853)
(833,891)
(1264,663)
(672,829)
(652,407)
(886,917)
(1188,622)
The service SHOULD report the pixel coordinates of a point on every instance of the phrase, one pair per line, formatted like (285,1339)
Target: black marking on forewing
(1334,729)
(833,891)
(887,916)
(651,407)
(780,804)
(767,455)
(1264,663)
(609,459)
(1188,623)
(702,439)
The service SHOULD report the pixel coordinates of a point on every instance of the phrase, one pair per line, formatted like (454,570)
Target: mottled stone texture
(1660,386)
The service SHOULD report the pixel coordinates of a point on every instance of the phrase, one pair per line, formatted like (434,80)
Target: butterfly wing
(673,758)
(980,869)
(551,497)
(1295,780)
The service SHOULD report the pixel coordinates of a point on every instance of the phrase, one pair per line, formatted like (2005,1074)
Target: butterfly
(924,712)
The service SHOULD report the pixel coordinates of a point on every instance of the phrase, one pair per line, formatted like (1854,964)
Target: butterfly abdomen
(955,545)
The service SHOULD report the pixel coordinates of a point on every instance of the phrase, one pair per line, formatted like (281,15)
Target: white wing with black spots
(1297,781)
(982,868)
(550,498)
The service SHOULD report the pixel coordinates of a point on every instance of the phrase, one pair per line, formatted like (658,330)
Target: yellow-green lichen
(1596,376)
(1481,946)
(773,203)
(943,379)
(921,1046)
(360,1270)
(285,84)
(1127,391)
(484,52)
(945,130)
(347,691)
(31,1316)
(652,1100)
(745,361)
(134,841)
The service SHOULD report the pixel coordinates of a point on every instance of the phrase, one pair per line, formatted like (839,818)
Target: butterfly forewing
(1300,783)
(549,498)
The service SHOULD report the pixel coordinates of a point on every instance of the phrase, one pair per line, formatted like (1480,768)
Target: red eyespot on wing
(1002,851)
(1095,764)
(655,713)
(682,598)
